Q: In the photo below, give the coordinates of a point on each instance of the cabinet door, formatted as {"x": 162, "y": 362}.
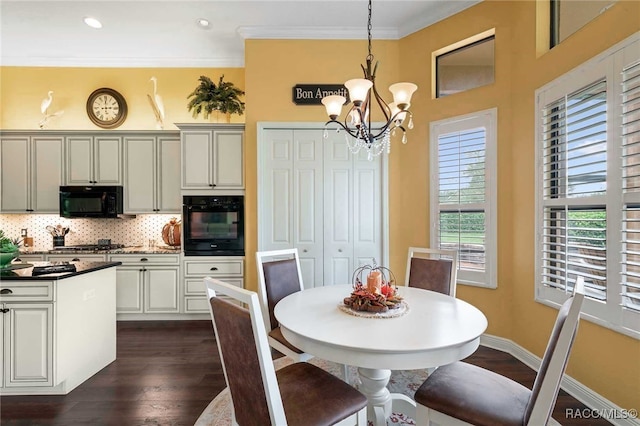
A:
{"x": 196, "y": 158}
{"x": 228, "y": 164}
{"x": 107, "y": 160}
{"x": 47, "y": 170}
{"x": 79, "y": 160}
{"x": 139, "y": 174}
{"x": 161, "y": 290}
{"x": 129, "y": 289}
{"x": 169, "y": 199}
{"x": 14, "y": 157}
{"x": 28, "y": 351}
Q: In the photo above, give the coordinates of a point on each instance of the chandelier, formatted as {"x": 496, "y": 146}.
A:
{"x": 357, "y": 123}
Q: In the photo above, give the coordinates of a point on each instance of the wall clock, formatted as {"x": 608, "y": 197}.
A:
{"x": 106, "y": 108}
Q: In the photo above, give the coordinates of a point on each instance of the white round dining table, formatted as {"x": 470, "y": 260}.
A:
{"x": 436, "y": 329}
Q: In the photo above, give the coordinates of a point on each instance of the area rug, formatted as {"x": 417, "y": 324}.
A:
{"x": 218, "y": 412}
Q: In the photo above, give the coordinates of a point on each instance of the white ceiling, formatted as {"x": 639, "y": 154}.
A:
{"x": 147, "y": 33}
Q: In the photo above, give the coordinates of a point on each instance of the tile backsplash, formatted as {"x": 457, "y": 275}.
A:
{"x": 134, "y": 231}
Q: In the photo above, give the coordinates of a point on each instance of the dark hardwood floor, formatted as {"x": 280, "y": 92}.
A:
{"x": 167, "y": 372}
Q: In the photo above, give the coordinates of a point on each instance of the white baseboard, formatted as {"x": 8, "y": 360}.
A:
{"x": 574, "y": 388}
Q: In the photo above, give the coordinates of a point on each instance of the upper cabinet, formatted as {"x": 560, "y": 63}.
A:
{"x": 31, "y": 173}
{"x": 152, "y": 174}
{"x": 94, "y": 160}
{"x": 212, "y": 156}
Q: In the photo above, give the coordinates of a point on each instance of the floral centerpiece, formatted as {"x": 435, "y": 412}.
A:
{"x": 380, "y": 294}
{"x": 8, "y": 250}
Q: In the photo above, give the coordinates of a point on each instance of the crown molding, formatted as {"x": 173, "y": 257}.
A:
{"x": 316, "y": 33}
{"x": 124, "y": 62}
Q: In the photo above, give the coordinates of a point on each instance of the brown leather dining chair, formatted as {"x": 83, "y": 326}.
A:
{"x": 298, "y": 394}
{"x": 279, "y": 275}
{"x": 432, "y": 269}
{"x": 463, "y": 394}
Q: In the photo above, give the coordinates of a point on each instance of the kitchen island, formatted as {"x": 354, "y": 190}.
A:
{"x": 57, "y": 328}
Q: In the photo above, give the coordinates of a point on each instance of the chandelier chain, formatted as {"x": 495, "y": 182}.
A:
{"x": 369, "y": 32}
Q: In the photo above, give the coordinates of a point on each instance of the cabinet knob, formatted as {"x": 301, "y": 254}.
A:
{"x": 213, "y": 268}
{"x": 144, "y": 259}
{"x": 4, "y": 311}
{"x": 75, "y": 259}
{"x": 339, "y": 250}
{"x": 305, "y": 250}
{"x": 212, "y": 185}
{"x": 6, "y": 291}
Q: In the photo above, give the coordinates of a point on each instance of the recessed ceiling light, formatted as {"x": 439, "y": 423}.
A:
{"x": 92, "y": 22}
{"x": 203, "y": 23}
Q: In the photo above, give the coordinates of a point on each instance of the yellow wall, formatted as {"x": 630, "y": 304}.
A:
{"x": 511, "y": 310}
{"x": 272, "y": 67}
{"x": 23, "y": 89}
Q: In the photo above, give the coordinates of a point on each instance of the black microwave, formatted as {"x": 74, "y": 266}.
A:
{"x": 91, "y": 201}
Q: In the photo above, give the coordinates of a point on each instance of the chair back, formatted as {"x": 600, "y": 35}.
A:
{"x": 554, "y": 362}
{"x": 245, "y": 355}
{"x": 279, "y": 275}
{"x": 432, "y": 269}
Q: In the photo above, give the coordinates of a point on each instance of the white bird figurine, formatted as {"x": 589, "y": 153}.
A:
{"x": 44, "y": 109}
{"x": 46, "y": 102}
{"x": 156, "y": 104}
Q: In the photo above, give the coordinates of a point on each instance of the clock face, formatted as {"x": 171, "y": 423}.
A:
{"x": 106, "y": 108}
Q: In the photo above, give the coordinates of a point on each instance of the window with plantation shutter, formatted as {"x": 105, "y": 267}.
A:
{"x": 463, "y": 152}
{"x": 631, "y": 186}
{"x": 574, "y": 181}
{"x": 588, "y": 137}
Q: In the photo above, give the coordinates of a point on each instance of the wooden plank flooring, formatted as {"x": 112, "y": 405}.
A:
{"x": 167, "y": 372}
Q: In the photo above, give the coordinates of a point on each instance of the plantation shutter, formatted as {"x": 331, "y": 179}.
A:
{"x": 631, "y": 186}
{"x": 574, "y": 137}
{"x": 461, "y": 199}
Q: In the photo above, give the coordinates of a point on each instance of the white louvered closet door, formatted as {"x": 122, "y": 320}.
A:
{"x": 311, "y": 190}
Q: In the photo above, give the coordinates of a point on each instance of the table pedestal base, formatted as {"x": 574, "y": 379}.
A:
{"x": 381, "y": 401}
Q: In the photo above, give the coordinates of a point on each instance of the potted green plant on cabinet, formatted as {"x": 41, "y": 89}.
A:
{"x": 208, "y": 97}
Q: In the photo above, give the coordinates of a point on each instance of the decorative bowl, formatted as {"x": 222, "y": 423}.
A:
{"x": 6, "y": 258}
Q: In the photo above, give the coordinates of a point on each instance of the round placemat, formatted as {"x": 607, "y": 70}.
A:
{"x": 391, "y": 313}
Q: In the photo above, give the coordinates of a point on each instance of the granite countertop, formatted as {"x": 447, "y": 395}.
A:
{"x": 125, "y": 250}
{"x": 22, "y": 272}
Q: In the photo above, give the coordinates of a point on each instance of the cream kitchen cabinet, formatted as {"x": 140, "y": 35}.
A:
{"x": 31, "y": 173}
{"x": 27, "y": 361}
{"x": 94, "y": 159}
{"x": 28, "y": 258}
{"x": 147, "y": 284}
{"x": 55, "y": 334}
{"x": 76, "y": 257}
{"x": 228, "y": 269}
{"x": 212, "y": 156}
{"x": 152, "y": 174}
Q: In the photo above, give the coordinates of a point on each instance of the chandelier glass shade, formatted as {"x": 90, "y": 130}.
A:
{"x": 363, "y": 94}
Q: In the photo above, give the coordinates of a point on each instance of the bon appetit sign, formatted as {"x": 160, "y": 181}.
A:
{"x": 312, "y": 94}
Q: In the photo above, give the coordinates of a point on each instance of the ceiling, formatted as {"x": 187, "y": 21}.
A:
{"x": 147, "y": 33}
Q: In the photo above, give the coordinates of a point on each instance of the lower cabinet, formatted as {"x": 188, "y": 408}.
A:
{"x": 228, "y": 269}
{"x": 147, "y": 283}
{"x": 27, "y": 345}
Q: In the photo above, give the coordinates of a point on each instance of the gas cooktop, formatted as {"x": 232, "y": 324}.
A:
{"x": 91, "y": 247}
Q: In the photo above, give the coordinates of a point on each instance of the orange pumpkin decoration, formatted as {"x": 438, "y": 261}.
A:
{"x": 171, "y": 232}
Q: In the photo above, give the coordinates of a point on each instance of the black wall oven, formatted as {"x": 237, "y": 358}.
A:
{"x": 213, "y": 225}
